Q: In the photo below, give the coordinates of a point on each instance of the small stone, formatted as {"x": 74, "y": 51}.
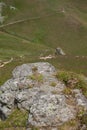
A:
{"x": 59, "y": 51}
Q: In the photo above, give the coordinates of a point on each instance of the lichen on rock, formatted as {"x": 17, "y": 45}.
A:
{"x": 46, "y": 104}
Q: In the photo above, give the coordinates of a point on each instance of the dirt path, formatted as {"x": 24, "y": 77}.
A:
{"x": 2, "y": 29}
{"x": 28, "y": 19}
{"x": 15, "y": 35}
{"x": 67, "y": 56}
{"x": 29, "y": 40}
{"x": 6, "y": 62}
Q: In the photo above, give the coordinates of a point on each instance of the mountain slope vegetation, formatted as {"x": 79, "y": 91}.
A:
{"x": 36, "y": 28}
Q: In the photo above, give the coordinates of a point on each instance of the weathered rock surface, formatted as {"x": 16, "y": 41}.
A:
{"x": 80, "y": 99}
{"x": 41, "y": 95}
{"x": 50, "y": 110}
{"x": 59, "y": 51}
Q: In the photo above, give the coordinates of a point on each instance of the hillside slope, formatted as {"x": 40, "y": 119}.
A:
{"x": 35, "y": 28}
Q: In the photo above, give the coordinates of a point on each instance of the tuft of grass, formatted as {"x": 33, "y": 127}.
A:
{"x": 53, "y": 84}
{"x": 82, "y": 116}
{"x": 34, "y": 69}
{"x": 65, "y": 76}
{"x": 37, "y": 77}
{"x": 16, "y": 119}
{"x": 83, "y": 119}
{"x": 81, "y": 112}
{"x": 71, "y": 125}
{"x": 73, "y": 80}
{"x": 33, "y": 128}
{"x": 67, "y": 91}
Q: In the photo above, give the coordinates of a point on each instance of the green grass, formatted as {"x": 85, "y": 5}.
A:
{"x": 37, "y": 77}
{"x": 41, "y": 36}
{"x": 10, "y": 46}
{"x": 73, "y": 81}
{"x": 16, "y": 119}
{"x": 66, "y": 30}
{"x": 52, "y": 28}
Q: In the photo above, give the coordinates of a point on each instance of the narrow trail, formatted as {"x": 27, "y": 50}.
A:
{"x": 19, "y": 21}
{"x": 28, "y": 19}
{"x": 66, "y": 56}
{"x": 15, "y": 35}
{"x": 5, "y": 63}
{"x": 50, "y": 56}
{"x": 2, "y": 29}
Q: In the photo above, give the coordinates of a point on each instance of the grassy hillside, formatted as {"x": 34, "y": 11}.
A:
{"x": 37, "y": 27}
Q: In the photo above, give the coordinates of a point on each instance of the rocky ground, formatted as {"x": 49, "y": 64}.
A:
{"x": 35, "y": 88}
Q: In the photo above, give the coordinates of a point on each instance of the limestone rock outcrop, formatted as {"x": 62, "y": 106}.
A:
{"x": 35, "y": 88}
